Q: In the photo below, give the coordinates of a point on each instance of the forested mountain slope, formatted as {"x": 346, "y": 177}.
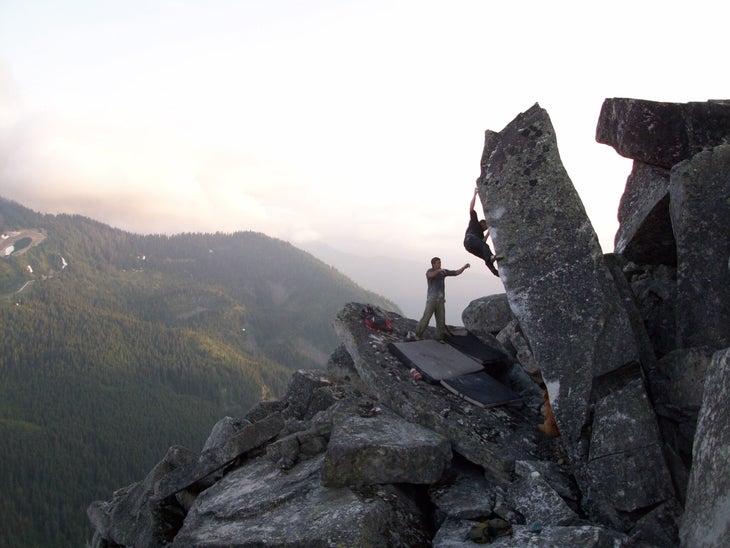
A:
{"x": 108, "y": 338}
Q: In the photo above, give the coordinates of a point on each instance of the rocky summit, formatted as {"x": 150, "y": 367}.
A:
{"x": 620, "y": 363}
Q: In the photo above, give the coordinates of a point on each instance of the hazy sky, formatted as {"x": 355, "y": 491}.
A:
{"x": 357, "y": 123}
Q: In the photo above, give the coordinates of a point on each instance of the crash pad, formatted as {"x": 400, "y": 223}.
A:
{"x": 435, "y": 360}
{"x": 492, "y": 358}
{"x": 481, "y": 389}
{"x": 455, "y": 371}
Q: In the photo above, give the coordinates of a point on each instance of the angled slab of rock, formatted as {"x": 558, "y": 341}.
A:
{"x": 659, "y": 133}
{"x": 625, "y": 459}
{"x": 645, "y": 233}
{"x": 700, "y": 212}
{"x": 551, "y": 473}
{"x": 383, "y": 449}
{"x": 135, "y": 516}
{"x": 706, "y": 519}
{"x": 214, "y": 458}
{"x": 538, "y": 502}
{"x": 223, "y": 430}
{"x": 261, "y": 505}
{"x": 555, "y": 277}
{"x": 557, "y": 282}
{"x": 646, "y": 351}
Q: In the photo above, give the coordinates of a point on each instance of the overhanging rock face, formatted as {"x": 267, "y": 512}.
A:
{"x": 662, "y": 134}
{"x": 658, "y": 136}
{"x": 561, "y": 292}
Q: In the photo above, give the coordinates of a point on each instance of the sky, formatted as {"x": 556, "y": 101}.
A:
{"x": 355, "y": 124}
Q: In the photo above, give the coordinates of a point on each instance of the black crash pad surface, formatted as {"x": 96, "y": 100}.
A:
{"x": 472, "y": 346}
{"x": 435, "y": 360}
{"x": 460, "y": 374}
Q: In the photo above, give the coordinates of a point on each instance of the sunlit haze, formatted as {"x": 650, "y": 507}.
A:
{"x": 355, "y": 124}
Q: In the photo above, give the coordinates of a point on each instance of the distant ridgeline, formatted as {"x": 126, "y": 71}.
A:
{"x": 109, "y": 338}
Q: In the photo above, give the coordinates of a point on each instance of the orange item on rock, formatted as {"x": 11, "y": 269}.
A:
{"x": 550, "y": 427}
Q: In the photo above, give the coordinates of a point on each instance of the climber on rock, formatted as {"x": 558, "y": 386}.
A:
{"x": 475, "y": 238}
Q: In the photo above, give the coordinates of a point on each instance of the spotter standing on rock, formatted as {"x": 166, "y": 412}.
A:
{"x": 436, "y": 297}
{"x": 475, "y": 239}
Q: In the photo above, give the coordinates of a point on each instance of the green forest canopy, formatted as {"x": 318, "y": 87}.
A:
{"x": 116, "y": 346}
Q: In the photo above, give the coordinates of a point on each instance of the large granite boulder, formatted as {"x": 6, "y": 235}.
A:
{"x": 489, "y": 314}
{"x": 564, "y": 297}
{"x": 383, "y": 448}
{"x": 259, "y": 505}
